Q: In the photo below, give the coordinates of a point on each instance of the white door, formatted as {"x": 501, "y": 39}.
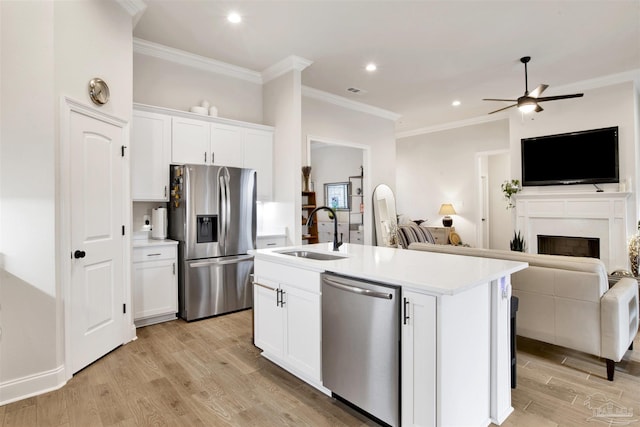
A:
{"x": 268, "y": 315}
{"x": 190, "y": 141}
{"x": 302, "y": 323}
{"x": 226, "y": 145}
{"x": 97, "y": 245}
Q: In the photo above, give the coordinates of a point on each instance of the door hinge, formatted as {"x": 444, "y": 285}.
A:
{"x": 122, "y": 149}
{"x": 123, "y": 230}
{"x": 124, "y": 308}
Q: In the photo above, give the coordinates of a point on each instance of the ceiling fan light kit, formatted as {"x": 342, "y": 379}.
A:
{"x": 530, "y": 101}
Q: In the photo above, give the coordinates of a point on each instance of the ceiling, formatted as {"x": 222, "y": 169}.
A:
{"x": 429, "y": 53}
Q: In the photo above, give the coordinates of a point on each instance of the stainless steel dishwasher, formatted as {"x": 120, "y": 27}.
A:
{"x": 361, "y": 345}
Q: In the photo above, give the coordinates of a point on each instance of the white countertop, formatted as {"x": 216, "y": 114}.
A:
{"x": 143, "y": 243}
{"x": 436, "y": 273}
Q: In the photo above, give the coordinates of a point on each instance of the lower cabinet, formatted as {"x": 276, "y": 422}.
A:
{"x": 287, "y": 318}
{"x": 418, "y": 359}
{"x": 155, "y": 284}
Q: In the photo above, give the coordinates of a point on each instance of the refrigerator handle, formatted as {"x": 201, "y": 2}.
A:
{"x": 223, "y": 211}
{"x": 227, "y": 214}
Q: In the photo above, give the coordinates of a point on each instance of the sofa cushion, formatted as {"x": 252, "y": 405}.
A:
{"x": 413, "y": 233}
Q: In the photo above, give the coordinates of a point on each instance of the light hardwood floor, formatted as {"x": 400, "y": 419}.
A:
{"x": 207, "y": 373}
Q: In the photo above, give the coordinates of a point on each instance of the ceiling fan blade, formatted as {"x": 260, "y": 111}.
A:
{"x": 494, "y": 99}
{"x": 538, "y": 108}
{"x": 538, "y": 91}
{"x": 555, "y": 98}
{"x": 510, "y": 106}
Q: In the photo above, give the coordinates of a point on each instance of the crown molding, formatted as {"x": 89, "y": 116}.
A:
{"x": 603, "y": 81}
{"x": 453, "y": 125}
{"x": 290, "y": 63}
{"x": 133, "y": 7}
{"x": 347, "y": 103}
{"x": 181, "y": 57}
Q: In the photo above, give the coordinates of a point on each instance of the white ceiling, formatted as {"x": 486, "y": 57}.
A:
{"x": 428, "y": 52}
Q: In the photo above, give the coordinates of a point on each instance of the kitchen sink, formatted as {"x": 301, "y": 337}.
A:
{"x": 312, "y": 255}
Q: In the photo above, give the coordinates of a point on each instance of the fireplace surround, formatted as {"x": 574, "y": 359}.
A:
{"x": 603, "y": 216}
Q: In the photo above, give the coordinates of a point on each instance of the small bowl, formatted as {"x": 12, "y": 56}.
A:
{"x": 199, "y": 110}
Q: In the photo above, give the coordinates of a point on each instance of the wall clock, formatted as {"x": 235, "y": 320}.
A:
{"x": 98, "y": 91}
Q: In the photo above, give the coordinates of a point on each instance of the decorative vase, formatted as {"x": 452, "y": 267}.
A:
{"x": 306, "y": 174}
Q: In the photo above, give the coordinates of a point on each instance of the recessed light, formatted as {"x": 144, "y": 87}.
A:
{"x": 456, "y": 103}
{"x": 234, "y": 17}
{"x": 371, "y": 67}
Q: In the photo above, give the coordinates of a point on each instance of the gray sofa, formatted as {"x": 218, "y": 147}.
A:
{"x": 567, "y": 301}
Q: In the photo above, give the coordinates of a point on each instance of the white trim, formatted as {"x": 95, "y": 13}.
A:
{"x": 67, "y": 106}
{"x": 347, "y": 103}
{"x": 144, "y": 47}
{"x": 32, "y": 385}
{"x": 133, "y": 7}
{"x": 453, "y": 125}
{"x": 291, "y": 63}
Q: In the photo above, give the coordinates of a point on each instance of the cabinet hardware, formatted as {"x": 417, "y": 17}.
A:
{"x": 124, "y": 308}
{"x": 282, "y": 301}
{"x": 205, "y": 157}
{"x": 271, "y": 244}
{"x": 264, "y": 286}
{"x": 278, "y": 297}
{"x": 123, "y": 230}
{"x": 122, "y": 150}
{"x": 174, "y": 268}
{"x": 406, "y": 311}
{"x": 165, "y": 191}
{"x": 158, "y": 254}
{"x": 79, "y": 254}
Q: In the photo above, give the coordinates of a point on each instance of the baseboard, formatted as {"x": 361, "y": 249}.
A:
{"x": 32, "y": 385}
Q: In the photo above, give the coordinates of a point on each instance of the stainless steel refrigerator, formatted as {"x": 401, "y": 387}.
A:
{"x": 212, "y": 214}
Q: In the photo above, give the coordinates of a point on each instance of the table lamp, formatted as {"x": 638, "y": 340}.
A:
{"x": 446, "y": 209}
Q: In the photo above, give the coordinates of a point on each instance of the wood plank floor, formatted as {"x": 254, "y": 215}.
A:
{"x": 207, "y": 373}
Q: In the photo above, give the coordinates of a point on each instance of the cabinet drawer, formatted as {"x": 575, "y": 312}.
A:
{"x": 270, "y": 273}
{"x": 356, "y": 236}
{"x": 153, "y": 253}
{"x": 270, "y": 242}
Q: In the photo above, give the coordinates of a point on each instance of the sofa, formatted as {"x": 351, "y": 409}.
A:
{"x": 566, "y": 301}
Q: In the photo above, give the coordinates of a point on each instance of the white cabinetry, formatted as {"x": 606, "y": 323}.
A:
{"x": 155, "y": 283}
{"x": 418, "y": 360}
{"x": 326, "y": 230}
{"x": 150, "y": 153}
{"x": 190, "y": 141}
{"x": 264, "y": 242}
{"x": 223, "y": 144}
{"x": 287, "y": 318}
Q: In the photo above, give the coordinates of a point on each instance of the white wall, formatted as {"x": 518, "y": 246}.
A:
{"x": 441, "y": 167}
{"x": 282, "y": 109}
{"x": 167, "y": 84}
{"x": 331, "y": 122}
{"x": 49, "y": 49}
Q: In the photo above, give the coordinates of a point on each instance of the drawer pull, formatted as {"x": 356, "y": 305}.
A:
{"x": 154, "y": 254}
{"x": 271, "y": 244}
{"x": 265, "y": 286}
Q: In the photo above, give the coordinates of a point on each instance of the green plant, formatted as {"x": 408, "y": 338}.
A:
{"x": 517, "y": 243}
{"x": 509, "y": 188}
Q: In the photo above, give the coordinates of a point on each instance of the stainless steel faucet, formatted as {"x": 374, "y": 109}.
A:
{"x": 332, "y": 214}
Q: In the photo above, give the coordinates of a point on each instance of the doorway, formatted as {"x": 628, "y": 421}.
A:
{"x": 494, "y": 167}
{"x": 334, "y": 161}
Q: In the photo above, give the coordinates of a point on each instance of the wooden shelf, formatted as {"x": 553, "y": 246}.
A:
{"x": 310, "y": 234}
{"x": 308, "y": 206}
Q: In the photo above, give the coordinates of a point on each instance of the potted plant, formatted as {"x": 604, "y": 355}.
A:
{"x": 517, "y": 243}
{"x": 509, "y": 188}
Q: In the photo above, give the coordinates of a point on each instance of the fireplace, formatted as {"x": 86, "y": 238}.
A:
{"x": 569, "y": 246}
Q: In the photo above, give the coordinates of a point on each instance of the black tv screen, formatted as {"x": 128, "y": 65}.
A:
{"x": 585, "y": 157}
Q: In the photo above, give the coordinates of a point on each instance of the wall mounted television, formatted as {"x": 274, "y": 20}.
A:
{"x": 584, "y": 157}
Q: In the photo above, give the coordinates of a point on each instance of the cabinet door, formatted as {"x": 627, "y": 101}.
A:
{"x": 302, "y": 325}
{"x": 419, "y": 360}
{"x": 267, "y": 318}
{"x": 150, "y": 152}
{"x": 258, "y": 155}
{"x": 155, "y": 289}
{"x": 226, "y": 145}
{"x": 190, "y": 141}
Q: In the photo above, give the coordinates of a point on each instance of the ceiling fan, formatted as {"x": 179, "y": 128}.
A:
{"x": 530, "y": 100}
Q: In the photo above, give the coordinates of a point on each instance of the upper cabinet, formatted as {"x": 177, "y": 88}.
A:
{"x": 190, "y": 138}
{"x": 150, "y": 152}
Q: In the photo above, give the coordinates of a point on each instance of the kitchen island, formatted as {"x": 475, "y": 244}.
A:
{"x": 455, "y": 329}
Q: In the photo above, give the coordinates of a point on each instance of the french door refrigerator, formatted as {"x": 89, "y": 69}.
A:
{"x": 212, "y": 214}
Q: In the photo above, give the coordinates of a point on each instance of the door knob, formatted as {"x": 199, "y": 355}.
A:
{"x": 79, "y": 254}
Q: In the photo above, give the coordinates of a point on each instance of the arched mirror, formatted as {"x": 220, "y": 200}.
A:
{"x": 385, "y": 219}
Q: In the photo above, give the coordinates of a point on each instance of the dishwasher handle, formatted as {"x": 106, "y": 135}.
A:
{"x": 357, "y": 290}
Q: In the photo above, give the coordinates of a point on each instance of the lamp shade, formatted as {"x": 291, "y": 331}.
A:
{"x": 446, "y": 209}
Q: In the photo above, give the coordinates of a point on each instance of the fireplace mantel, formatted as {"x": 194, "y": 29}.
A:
{"x": 579, "y": 214}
